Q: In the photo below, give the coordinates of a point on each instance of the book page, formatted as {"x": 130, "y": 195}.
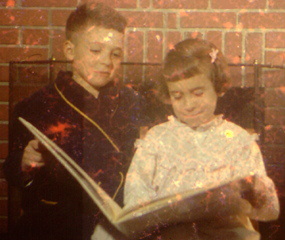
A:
{"x": 190, "y": 205}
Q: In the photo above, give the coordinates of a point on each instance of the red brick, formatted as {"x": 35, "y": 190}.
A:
{"x": 121, "y": 3}
{"x": 4, "y": 131}
{"x": 275, "y": 39}
{"x": 3, "y": 149}
{"x": 49, "y": 3}
{"x": 181, "y": 4}
{"x": 58, "y": 38}
{"x": 20, "y": 54}
{"x": 275, "y": 135}
{"x": 193, "y": 34}
{"x": 275, "y": 97}
{"x": 59, "y": 17}
{"x": 9, "y": 36}
{"x": 236, "y": 76}
{"x": 238, "y": 4}
{"x": 172, "y": 20}
{"x": 154, "y": 43}
{"x": 275, "y": 116}
{"x": 3, "y": 225}
{"x": 273, "y": 78}
{"x": 263, "y": 20}
{"x": 233, "y": 47}
{"x": 207, "y": 20}
{"x": 3, "y": 112}
{"x": 275, "y": 57}
{"x": 171, "y": 39}
{"x": 253, "y": 47}
{"x": 3, "y": 207}
{"x": 249, "y": 77}
{"x": 144, "y": 3}
{"x": 215, "y": 37}
{"x": 9, "y": 3}
{"x": 276, "y": 4}
{"x": 35, "y": 36}
{"x": 134, "y": 46}
{"x": 4, "y": 76}
{"x": 3, "y": 187}
{"x": 4, "y": 93}
{"x": 117, "y": 3}
{"x": 144, "y": 19}
{"x": 24, "y": 17}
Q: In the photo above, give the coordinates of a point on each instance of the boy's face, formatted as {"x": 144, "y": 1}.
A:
{"x": 96, "y": 53}
{"x": 193, "y": 100}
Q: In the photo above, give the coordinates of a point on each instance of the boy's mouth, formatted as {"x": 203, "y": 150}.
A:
{"x": 103, "y": 73}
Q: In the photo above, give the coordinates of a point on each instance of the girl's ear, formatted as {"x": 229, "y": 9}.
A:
{"x": 167, "y": 101}
{"x": 68, "y": 50}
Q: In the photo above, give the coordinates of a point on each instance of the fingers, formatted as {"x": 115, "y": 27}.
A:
{"x": 32, "y": 156}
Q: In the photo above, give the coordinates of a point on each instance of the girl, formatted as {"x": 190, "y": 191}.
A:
{"x": 196, "y": 148}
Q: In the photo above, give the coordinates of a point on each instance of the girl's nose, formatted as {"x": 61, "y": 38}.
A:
{"x": 189, "y": 104}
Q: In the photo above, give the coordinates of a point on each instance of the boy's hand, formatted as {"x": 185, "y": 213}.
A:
{"x": 32, "y": 158}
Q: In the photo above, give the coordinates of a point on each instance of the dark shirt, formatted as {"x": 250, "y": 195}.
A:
{"x": 54, "y": 205}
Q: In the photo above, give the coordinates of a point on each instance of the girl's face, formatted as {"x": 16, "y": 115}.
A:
{"x": 193, "y": 100}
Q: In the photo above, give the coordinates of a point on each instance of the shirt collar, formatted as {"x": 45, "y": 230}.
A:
{"x": 202, "y": 128}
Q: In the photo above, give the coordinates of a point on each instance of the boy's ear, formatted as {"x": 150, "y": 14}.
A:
{"x": 221, "y": 94}
{"x": 68, "y": 50}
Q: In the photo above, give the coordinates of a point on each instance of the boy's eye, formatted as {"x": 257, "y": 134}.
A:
{"x": 117, "y": 54}
{"x": 95, "y": 50}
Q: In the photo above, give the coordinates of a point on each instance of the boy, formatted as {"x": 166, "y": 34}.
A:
{"x": 90, "y": 116}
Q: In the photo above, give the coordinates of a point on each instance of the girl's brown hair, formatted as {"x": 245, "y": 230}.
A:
{"x": 193, "y": 57}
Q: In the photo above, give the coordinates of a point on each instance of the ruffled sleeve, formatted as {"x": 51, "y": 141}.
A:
{"x": 138, "y": 187}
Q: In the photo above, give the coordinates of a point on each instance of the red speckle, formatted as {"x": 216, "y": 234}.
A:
{"x": 61, "y": 129}
{"x": 10, "y": 3}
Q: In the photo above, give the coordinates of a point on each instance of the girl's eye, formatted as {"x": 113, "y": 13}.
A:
{"x": 199, "y": 93}
{"x": 176, "y": 96}
{"x": 95, "y": 50}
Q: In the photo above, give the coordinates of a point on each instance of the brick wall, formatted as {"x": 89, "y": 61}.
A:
{"x": 245, "y": 30}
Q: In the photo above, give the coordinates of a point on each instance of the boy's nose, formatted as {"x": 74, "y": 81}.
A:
{"x": 106, "y": 59}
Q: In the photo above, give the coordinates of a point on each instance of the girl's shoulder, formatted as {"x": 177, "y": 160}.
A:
{"x": 234, "y": 131}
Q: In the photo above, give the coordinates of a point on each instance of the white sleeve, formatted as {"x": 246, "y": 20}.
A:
{"x": 138, "y": 187}
{"x": 267, "y": 207}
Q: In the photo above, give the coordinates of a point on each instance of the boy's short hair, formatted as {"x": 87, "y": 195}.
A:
{"x": 193, "y": 57}
{"x": 94, "y": 14}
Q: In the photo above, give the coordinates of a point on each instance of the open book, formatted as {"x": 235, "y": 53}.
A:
{"x": 188, "y": 206}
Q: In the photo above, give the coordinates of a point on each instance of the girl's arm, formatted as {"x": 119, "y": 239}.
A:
{"x": 263, "y": 196}
{"x": 138, "y": 186}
